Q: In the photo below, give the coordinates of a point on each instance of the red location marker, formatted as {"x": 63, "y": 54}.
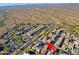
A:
{"x": 51, "y": 47}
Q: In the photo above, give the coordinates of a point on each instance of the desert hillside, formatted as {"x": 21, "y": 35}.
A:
{"x": 44, "y": 15}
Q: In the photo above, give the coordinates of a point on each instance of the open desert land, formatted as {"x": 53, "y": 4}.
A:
{"x": 44, "y": 15}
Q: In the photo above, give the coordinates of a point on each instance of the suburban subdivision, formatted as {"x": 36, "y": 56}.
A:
{"x": 39, "y": 30}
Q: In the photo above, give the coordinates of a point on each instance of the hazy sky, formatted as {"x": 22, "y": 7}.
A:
{"x": 11, "y": 4}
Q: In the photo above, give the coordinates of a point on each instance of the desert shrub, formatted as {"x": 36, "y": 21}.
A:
{"x": 2, "y": 23}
